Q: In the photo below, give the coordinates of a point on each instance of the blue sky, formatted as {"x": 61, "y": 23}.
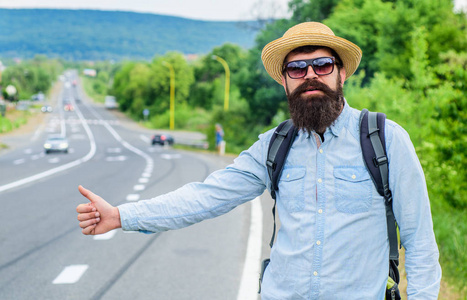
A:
{"x": 223, "y": 10}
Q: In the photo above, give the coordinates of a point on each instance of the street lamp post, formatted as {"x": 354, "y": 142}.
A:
{"x": 227, "y": 80}
{"x": 172, "y": 94}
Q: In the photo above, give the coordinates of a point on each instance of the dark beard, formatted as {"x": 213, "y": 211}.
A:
{"x": 315, "y": 112}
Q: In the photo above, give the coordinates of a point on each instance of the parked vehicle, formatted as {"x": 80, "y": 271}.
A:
{"x": 56, "y": 143}
{"x": 162, "y": 139}
{"x": 110, "y": 102}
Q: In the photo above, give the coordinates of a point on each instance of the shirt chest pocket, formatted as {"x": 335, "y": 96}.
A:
{"x": 291, "y": 188}
{"x": 353, "y": 188}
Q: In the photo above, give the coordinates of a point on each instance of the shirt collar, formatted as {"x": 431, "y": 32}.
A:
{"x": 341, "y": 121}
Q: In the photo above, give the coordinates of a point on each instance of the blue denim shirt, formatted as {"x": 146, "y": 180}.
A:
{"x": 332, "y": 243}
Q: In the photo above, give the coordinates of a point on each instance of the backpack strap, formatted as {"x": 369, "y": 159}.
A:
{"x": 374, "y": 155}
{"x": 279, "y": 146}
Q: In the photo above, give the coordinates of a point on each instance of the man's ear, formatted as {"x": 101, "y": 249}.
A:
{"x": 342, "y": 75}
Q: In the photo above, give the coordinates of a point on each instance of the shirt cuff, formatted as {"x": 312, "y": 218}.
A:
{"x": 127, "y": 219}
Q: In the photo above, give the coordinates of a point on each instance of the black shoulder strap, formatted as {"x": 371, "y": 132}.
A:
{"x": 374, "y": 155}
{"x": 279, "y": 146}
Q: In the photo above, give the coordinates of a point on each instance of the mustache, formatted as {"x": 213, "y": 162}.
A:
{"x": 312, "y": 84}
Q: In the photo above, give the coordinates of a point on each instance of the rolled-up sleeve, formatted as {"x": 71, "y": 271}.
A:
{"x": 412, "y": 211}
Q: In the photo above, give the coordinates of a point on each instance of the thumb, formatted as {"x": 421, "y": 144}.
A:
{"x": 88, "y": 194}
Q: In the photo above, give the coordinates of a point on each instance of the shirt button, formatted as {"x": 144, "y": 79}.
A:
{"x": 320, "y": 150}
{"x": 288, "y": 175}
{"x": 320, "y": 180}
{"x": 353, "y": 176}
{"x": 320, "y": 211}
{"x": 318, "y": 243}
{"x": 315, "y": 273}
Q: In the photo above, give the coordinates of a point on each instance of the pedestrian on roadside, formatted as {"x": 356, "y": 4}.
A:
{"x": 219, "y": 137}
{"x": 333, "y": 241}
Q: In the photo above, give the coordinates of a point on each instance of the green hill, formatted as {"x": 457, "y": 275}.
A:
{"x": 99, "y": 35}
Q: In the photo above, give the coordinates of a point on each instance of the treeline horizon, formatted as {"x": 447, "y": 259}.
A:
{"x": 78, "y": 35}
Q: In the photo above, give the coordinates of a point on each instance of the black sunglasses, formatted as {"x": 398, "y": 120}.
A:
{"x": 321, "y": 66}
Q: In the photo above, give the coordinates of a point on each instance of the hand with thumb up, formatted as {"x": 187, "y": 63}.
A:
{"x": 97, "y": 216}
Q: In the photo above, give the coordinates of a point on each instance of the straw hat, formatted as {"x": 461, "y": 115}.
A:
{"x": 309, "y": 34}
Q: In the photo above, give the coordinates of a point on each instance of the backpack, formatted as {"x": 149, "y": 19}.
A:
{"x": 373, "y": 146}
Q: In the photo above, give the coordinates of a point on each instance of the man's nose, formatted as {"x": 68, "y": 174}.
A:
{"x": 310, "y": 74}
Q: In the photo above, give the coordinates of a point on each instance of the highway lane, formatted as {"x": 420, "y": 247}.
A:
{"x": 45, "y": 256}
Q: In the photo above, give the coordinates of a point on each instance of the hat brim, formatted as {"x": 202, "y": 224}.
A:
{"x": 275, "y": 52}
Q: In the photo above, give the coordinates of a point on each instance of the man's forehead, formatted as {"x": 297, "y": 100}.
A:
{"x": 294, "y": 54}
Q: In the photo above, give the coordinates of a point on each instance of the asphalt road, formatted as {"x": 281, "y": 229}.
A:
{"x": 43, "y": 254}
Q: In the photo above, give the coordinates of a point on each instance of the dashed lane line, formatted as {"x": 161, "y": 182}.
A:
{"x": 71, "y": 274}
{"x": 139, "y": 187}
{"x": 132, "y": 197}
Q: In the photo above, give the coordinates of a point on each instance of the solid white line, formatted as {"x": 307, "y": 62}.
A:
{"x": 105, "y": 236}
{"x": 251, "y": 269}
{"x": 37, "y": 132}
{"x": 70, "y": 274}
{"x": 144, "y": 138}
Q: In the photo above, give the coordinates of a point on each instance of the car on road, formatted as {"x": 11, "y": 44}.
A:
{"x": 68, "y": 107}
{"x": 56, "y": 143}
{"x": 162, "y": 139}
{"x": 46, "y": 108}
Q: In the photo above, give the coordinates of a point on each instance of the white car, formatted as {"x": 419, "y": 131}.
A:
{"x": 56, "y": 143}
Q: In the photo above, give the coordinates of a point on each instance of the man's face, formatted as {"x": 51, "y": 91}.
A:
{"x": 315, "y": 101}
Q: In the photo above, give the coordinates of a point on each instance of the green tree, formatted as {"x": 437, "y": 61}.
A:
{"x": 309, "y": 10}
{"x": 265, "y": 96}
{"x": 383, "y": 30}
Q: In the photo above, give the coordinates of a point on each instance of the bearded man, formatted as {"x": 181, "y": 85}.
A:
{"x": 333, "y": 241}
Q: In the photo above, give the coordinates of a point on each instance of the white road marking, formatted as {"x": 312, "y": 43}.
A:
{"x": 70, "y": 274}
{"x": 251, "y": 269}
{"x": 27, "y": 151}
{"x": 37, "y": 132}
{"x": 144, "y": 138}
{"x": 77, "y": 137}
{"x": 114, "y": 150}
{"x": 132, "y": 197}
{"x": 116, "y": 158}
{"x": 170, "y": 156}
{"x": 139, "y": 187}
{"x": 147, "y": 175}
{"x": 143, "y": 180}
{"x": 37, "y": 156}
{"x": 54, "y": 160}
{"x": 19, "y": 161}
{"x": 105, "y": 236}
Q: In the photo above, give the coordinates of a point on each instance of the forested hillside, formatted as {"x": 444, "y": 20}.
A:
{"x": 99, "y": 35}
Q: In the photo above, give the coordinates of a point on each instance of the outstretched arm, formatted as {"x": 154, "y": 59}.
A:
{"x": 98, "y": 216}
